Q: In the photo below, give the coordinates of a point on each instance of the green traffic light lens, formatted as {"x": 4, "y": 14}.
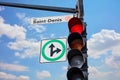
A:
{"x": 77, "y": 61}
{"x": 75, "y": 58}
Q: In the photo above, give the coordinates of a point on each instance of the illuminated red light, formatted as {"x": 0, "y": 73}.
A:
{"x": 75, "y": 25}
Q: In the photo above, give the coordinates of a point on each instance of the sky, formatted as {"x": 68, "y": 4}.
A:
{"x": 20, "y": 41}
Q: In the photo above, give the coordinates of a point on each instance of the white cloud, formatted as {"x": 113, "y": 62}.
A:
{"x": 20, "y": 15}
{"x": 12, "y": 31}
{"x": 26, "y": 20}
{"x": 23, "y": 17}
{"x": 105, "y": 42}
{"x": 29, "y": 48}
{"x": 2, "y": 8}
{"x": 96, "y": 74}
{"x": 102, "y": 42}
{"x": 13, "y": 67}
{"x": 52, "y": 35}
{"x": 44, "y": 36}
{"x": 43, "y": 74}
{"x": 16, "y": 62}
{"x": 6, "y": 76}
{"x": 65, "y": 67}
{"x": 21, "y": 77}
{"x": 113, "y": 61}
{"x": 38, "y": 28}
{"x": 24, "y": 48}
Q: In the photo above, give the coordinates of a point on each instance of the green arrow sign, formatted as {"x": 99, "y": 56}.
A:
{"x": 53, "y": 50}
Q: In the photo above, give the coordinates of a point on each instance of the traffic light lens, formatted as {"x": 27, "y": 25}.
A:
{"x": 77, "y": 28}
{"x": 75, "y": 58}
{"x": 75, "y": 41}
{"x": 76, "y": 77}
{"x": 77, "y": 44}
{"x": 77, "y": 61}
{"x": 75, "y": 25}
{"x": 75, "y": 74}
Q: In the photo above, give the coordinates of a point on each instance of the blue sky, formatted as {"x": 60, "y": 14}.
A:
{"x": 20, "y": 41}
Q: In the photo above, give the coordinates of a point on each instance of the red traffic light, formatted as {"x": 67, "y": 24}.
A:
{"x": 77, "y": 55}
{"x": 75, "y": 25}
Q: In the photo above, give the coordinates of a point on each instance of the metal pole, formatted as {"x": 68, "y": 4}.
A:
{"x": 40, "y": 7}
{"x": 80, "y": 9}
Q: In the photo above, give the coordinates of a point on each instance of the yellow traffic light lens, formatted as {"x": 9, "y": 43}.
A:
{"x": 76, "y": 41}
{"x": 77, "y": 44}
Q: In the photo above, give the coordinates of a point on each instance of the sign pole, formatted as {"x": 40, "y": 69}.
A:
{"x": 39, "y": 7}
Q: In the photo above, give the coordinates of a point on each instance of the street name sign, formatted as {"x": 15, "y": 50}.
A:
{"x": 49, "y": 20}
{"x": 53, "y": 50}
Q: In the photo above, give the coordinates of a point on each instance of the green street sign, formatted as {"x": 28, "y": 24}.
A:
{"x": 53, "y": 50}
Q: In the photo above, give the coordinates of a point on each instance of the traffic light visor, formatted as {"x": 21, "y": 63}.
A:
{"x": 75, "y": 25}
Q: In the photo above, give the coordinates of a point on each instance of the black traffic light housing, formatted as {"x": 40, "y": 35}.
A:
{"x": 77, "y": 55}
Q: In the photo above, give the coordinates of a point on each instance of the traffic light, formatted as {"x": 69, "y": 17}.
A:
{"x": 77, "y": 55}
